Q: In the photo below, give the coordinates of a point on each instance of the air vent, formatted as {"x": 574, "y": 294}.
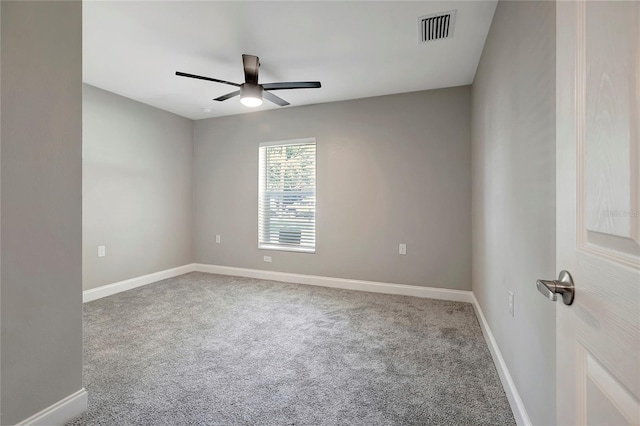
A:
{"x": 437, "y": 26}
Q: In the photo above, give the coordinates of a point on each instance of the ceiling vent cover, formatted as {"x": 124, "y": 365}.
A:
{"x": 437, "y": 26}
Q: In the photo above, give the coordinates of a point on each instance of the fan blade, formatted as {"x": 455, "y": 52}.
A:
{"x": 199, "y": 77}
{"x": 227, "y": 96}
{"x": 273, "y": 98}
{"x": 292, "y": 85}
{"x": 251, "y": 64}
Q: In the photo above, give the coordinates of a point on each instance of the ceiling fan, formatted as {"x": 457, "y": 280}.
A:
{"x": 251, "y": 93}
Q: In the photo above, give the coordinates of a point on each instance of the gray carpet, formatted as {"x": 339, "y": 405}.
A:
{"x": 203, "y": 349}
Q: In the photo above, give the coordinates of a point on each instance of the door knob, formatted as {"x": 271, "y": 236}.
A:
{"x": 563, "y": 286}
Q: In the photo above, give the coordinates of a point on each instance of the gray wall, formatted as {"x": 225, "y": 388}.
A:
{"x": 41, "y": 209}
{"x": 137, "y": 188}
{"x": 390, "y": 169}
{"x": 514, "y": 194}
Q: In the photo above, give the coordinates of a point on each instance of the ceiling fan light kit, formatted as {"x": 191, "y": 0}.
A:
{"x": 251, "y": 92}
{"x": 251, "y": 95}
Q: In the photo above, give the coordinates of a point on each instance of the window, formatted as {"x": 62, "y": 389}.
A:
{"x": 287, "y": 195}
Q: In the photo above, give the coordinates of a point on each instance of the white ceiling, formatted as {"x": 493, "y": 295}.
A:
{"x": 356, "y": 49}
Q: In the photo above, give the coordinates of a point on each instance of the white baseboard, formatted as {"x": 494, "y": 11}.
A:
{"x": 517, "y": 406}
{"x": 60, "y": 412}
{"x": 109, "y": 289}
{"x": 348, "y": 284}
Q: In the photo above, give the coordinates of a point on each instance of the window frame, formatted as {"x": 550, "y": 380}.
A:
{"x": 261, "y": 183}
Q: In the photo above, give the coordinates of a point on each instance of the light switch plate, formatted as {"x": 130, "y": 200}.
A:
{"x": 217, "y": 239}
{"x": 102, "y": 251}
{"x": 267, "y": 259}
{"x": 402, "y": 248}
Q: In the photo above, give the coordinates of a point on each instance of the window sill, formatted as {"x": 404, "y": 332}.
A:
{"x": 276, "y": 247}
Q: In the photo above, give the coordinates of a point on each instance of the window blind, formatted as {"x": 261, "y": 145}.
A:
{"x": 287, "y": 195}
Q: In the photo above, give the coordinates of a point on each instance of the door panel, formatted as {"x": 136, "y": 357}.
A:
{"x": 598, "y": 215}
{"x": 606, "y": 400}
{"x": 611, "y": 123}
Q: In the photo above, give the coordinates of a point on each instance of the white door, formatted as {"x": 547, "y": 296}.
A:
{"x": 598, "y": 211}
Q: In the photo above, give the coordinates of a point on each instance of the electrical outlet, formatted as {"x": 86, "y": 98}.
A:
{"x": 217, "y": 239}
{"x": 402, "y": 248}
{"x": 267, "y": 259}
{"x": 511, "y": 302}
{"x": 102, "y": 251}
